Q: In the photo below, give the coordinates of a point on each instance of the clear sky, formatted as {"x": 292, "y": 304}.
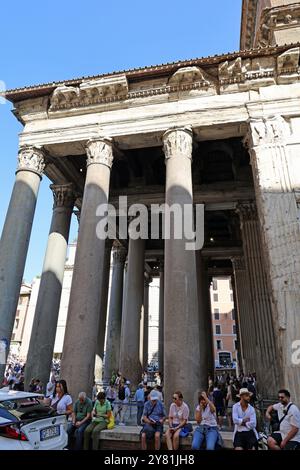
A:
{"x": 56, "y": 40}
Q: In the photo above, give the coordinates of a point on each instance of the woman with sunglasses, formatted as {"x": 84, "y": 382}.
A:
{"x": 178, "y": 418}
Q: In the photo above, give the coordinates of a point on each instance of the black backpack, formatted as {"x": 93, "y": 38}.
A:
{"x": 121, "y": 393}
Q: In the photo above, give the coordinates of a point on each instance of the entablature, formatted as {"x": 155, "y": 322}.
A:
{"x": 180, "y": 81}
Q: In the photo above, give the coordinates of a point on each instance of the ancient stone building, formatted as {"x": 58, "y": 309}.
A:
{"x": 223, "y": 131}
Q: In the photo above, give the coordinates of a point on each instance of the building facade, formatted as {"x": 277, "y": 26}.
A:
{"x": 224, "y": 325}
{"x": 20, "y": 319}
{"x": 221, "y": 132}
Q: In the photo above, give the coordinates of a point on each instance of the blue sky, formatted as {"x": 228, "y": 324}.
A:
{"x": 54, "y": 40}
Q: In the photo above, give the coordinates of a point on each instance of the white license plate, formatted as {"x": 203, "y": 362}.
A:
{"x": 49, "y": 433}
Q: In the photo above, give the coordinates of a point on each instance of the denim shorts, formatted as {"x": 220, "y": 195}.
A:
{"x": 151, "y": 429}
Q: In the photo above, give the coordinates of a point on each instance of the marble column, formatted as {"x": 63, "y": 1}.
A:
{"x": 274, "y": 146}
{"x": 244, "y": 314}
{"x": 161, "y": 319}
{"x": 207, "y": 363}
{"x": 15, "y": 237}
{"x": 40, "y": 352}
{"x": 266, "y": 351}
{"x": 239, "y": 348}
{"x": 113, "y": 337}
{"x": 130, "y": 363}
{"x": 103, "y": 313}
{"x": 145, "y": 324}
{"x": 79, "y": 349}
{"x": 181, "y": 312}
{"x": 124, "y": 286}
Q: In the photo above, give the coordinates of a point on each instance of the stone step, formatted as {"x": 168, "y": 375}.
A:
{"x": 128, "y": 438}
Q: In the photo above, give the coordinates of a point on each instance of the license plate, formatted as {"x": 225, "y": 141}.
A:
{"x": 49, "y": 433}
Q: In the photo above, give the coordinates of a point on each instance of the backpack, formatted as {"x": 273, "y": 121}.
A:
{"x": 111, "y": 419}
{"x": 121, "y": 393}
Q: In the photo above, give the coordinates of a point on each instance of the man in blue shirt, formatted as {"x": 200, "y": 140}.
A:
{"x": 153, "y": 418}
{"x": 139, "y": 397}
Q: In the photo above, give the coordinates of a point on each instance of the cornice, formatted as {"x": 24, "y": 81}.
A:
{"x": 238, "y": 72}
{"x": 238, "y": 75}
{"x": 141, "y": 73}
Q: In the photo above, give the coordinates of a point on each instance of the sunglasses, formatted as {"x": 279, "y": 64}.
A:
{"x": 175, "y": 398}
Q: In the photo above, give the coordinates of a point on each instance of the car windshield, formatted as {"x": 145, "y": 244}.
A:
{"x": 20, "y": 407}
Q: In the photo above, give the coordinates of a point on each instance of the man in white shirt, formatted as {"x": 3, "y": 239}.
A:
{"x": 50, "y": 388}
{"x": 244, "y": 420}
{"x": 288, "y": 435}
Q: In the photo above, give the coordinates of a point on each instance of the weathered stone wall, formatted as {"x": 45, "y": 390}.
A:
{"x": 269, "y": 22}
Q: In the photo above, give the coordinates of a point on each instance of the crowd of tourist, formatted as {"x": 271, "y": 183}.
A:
{"x": 227, "y": 396}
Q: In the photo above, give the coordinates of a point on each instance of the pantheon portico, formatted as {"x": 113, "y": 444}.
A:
{"x": 223, "y": 131}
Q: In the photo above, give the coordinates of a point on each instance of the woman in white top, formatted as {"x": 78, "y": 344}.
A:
{"x": 207, "y": 428}
{"x": 178, "y": 417}
{"x": 62, "y": 402}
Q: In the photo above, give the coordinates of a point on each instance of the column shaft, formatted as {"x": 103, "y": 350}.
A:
{"x": 145, "y": 324}
{"x": 274, "y": 149}
{"x": 205, "y": 319}
{"x": 265, "y": 344}
{"x": 244, "y": 314}
{"x": 161, "y": 322}
{"x": 113, "y": 337}
{"x": 130, "y": 364}
{"x": 43, "y": 332}
{"x": 15, "y": 237}
{"x": 103, "y": 313}
{"x": 239, "y": 348}
{"x": 78, "y": 358}
{"x": 181, "y": 313}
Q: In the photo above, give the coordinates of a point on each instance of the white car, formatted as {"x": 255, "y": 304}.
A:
{"x": 27, "y": 424}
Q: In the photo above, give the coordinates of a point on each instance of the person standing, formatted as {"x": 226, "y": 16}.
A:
{"x": 244, "y": 420}
{"x": 50, "y": 386}
{"x": 230, "y": 399}
{"x": 219, "y": 402}
{"x": 111, "y": 394}
{"x": 139, "y": 398}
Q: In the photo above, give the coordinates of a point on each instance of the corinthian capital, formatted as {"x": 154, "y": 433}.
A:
{"x": 178, "y": 142}
{"x": 64, "y": 195}
{"x": 100, "y": 151}
{"x": 31, "y": 159}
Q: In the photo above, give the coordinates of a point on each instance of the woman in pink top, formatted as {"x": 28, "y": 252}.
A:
{"x": 178, "y": 417}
